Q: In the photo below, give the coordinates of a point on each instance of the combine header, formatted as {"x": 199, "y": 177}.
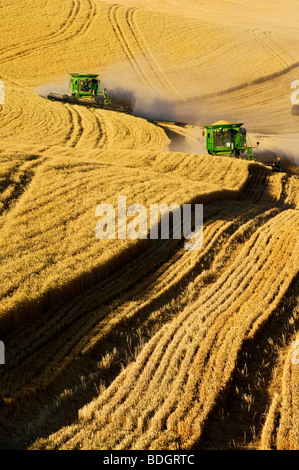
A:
{"x": 86, "y": 90}
{"x": 224, "y": 138}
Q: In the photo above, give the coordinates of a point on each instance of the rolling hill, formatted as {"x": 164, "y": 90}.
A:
{"x": 139, "y": 343}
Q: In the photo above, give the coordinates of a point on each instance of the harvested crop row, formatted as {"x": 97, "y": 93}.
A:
{"x": 142, "y": 60}
{"x": 202, "y": 342}
{"x": 76, "y": 15}
{"x": 15, "y": 174}
{"x": 144, "y": 50}
{"x": 189, "y": 166}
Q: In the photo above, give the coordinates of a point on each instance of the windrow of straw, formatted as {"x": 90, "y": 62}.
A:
{"x": 280, "y": 430}
{"x": 163, "y": 398}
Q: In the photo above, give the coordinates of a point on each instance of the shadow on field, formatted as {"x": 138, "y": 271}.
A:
{"x": 64, "y": 355}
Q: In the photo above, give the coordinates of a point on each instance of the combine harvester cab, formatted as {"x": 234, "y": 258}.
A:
{"x": 225, "y": 138}
{"x": 86, "y": 90}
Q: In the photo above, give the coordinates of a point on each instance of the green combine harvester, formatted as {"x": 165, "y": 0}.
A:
{"x": 225, "y": 138}
{"x": 86, "y": 90}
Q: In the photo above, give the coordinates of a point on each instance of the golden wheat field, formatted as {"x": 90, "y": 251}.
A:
{"x": 138, "y": 343}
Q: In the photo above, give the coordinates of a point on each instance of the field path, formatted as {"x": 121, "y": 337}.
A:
{"x": 137, "y": 51}
{"x": 139, "y": 343}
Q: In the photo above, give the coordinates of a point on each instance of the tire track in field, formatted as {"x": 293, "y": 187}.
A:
{"x": 75, "y": 127}
{"x": 126, "y": 43}
{"x": 113, "y": 11}
{"x": 18, "y": 180}
{"x": 57, "y": 37}
{"x": 68, "y": 23}
{"x": 238, "y": 421}
{"x": 232, "y": 214}
{"x": 101, "y": 138}
{"x": 87, "y": 128}
{"x": 58, "y": 340}
{"x": 242, "y": 86}
{"x": 266, "y": 39}
{"x": 212, "y": 301}
{"x": 215, "y": 231}
{"x": 283, "y": 52}
{"x": 148, "y": 55}
{"x": 163, "y": 369}
{"x": 32, "y": 121}
{"x": 15, "y": 120}
{"x": 179, "y": 362}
